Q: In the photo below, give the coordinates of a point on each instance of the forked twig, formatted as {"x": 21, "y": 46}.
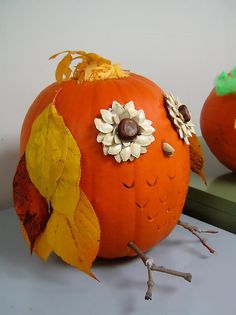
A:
{"x": 148, "y": 262}
{"x": 196, "y": 231}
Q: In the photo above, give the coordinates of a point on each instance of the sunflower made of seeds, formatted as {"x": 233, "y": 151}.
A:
{"x": 124, "y": 131}
{"x": 180, "y": 117}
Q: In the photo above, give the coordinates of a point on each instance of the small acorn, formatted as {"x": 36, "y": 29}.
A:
{"x": 167, "y": 149}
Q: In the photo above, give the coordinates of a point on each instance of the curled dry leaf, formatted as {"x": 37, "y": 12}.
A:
{"x": 196, "y": 157}
{"x": 31, "y": 207}
{"x": 63, "y": 70}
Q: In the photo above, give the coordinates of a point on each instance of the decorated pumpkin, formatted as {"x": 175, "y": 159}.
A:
{"x": 218, "y": 119}
{"x": 104, "y": 161}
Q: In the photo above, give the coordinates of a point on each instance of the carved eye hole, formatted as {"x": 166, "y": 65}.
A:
{"x": 151, "y": 183}
{"x": 128, "y": 186}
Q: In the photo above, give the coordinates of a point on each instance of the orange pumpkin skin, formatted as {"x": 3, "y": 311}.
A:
{"x": 138, "y": 201}
{"x": 218, "y": 128}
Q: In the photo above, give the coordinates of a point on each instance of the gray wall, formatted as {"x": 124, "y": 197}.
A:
{"x": 182, "y": 45}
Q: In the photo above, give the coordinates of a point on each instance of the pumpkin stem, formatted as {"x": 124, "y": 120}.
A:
{"x": 149, "y": 263}
{"x": 196, "y": 231}
{"x": 92, "y": 67}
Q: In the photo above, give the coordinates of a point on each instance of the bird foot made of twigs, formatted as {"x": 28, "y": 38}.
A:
{"x": 196, "y": 232}
{"x": 149, "y": 263}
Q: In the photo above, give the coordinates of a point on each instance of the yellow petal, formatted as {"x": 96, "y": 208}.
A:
{"x": 77, "y": 244}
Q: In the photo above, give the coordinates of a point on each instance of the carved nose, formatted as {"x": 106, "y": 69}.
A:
{"x": 142, "y": 204}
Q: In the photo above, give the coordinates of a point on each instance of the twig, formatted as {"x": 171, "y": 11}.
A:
{"x": 196, "y": 231}
{"x": 150, "y": 284}
{"x": 185, "y": 275}
{"x": 148, "y": 262}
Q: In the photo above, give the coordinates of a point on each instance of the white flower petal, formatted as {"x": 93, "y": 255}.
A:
{"x": 151, "y": 138}
{"x": 189, "y": 133}
{"x": 126, "y": 143}
{"x": 116, "y": 118}
{"x": 114, "y": 149}
{"x": 100, "y": 137}
{"x": 130, "y": 108}
{"x": 181, "y": 134}
{"x": 124, "y": 115}
{"x": 147, "y": 131}
{"x": 117, "y": 139}
{"x": 105, "y": 150}
{"x": 108, "y": 139}
{"x": 107, "y": 116}
{"x": 146, "y": 123}
{"x": 118, "y": 158}
{"x": 186, "y": 140}
{"x": 140, "y": 117}
{"x": 143, "y": 140}
{"x": 135, "y": 149}
{"x": 143, "y": 150}
{"x": 131, "y": 158}
{"x": 184, "y": 128}
{"x": 102, "y": 126}
{"x": 129, "y": 105}
{"x": 117, "y": 107}
{"x": 125, "y": 153}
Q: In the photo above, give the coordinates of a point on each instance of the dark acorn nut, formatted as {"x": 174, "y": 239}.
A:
{"x": 128, "y": 129}
{"x": 183, "y": 109}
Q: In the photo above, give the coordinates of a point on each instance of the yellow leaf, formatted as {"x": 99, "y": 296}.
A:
{"x": 46, "y": 151}
{"x": 41, "y": 246}
{"x": 77, "y": 244}
{"x": 53, "y": 164}
{"x": 67, "y": 194}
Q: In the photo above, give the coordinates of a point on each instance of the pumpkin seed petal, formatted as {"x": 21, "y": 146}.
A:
{"x": 102, "y": 126}
{"x": 107, "y": 116}
{"x": 135, "y": 149}
{"x": 125, "y": 153}
{"x": 108, "y": 139}
{"x": 114, "y": 149}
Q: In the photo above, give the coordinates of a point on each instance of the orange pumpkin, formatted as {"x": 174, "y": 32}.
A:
{"x": 139, "y": 201}
{"x": 218, "y": 123}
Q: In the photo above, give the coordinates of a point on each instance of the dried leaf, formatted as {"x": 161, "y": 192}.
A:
{"x": 41, "y": 246}
{"x": 196, "y": 157}
{"x": 31, "y": 207}
{"x": 53, "y": 162}
{"x": 77, "y": 244}
{"x": 63, "y": 70}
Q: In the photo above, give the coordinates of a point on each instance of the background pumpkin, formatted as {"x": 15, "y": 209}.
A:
{"x": 218, "y": 120}
{"x": 138, "y": 201}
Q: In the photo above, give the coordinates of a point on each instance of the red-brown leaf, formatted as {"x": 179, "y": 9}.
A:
{"x": 31, "y": 207}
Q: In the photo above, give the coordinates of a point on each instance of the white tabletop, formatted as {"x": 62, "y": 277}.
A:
{"x": 29, "y": 286}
